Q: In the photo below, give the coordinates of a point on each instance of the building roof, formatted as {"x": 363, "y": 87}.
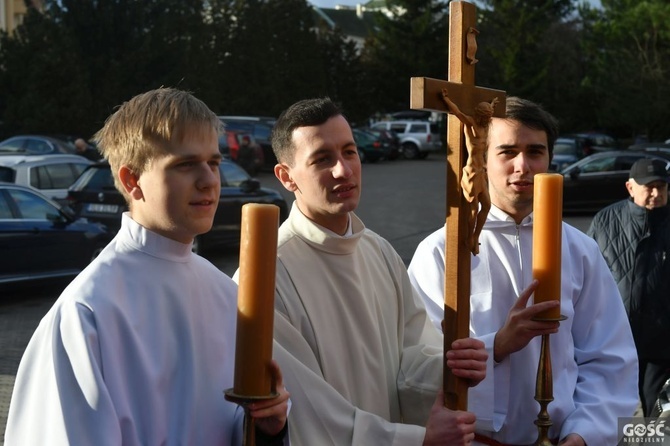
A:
{"x": 355, "y": 22}
{"x": 350, "y": 22}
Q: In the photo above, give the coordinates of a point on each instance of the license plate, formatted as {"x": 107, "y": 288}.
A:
{"x": 103, "y": 208}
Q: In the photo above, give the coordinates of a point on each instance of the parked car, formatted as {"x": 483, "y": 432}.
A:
{"x": 241, "y": 147}
{"x": 94, "y": 197}
{"x": 41, "y": 240}
{"x": 389, "y": 140}
{"x": 52, "y": 175}
{"x": 599, "y": 180}
{"x": 260, "y": 128}
{"x": 36, "y": 145}
{"x": 600, "y": 139}
{"x": 417, "y": 138}
{"x": 370, "y": 147}
{"x": 568, "y": 149}
{"x": 651, "y": 147}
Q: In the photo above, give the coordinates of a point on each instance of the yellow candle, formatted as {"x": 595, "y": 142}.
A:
{"x": 255, "y": 301}
{"x": 547, "y": 210}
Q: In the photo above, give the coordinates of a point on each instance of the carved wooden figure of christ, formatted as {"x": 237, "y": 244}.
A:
{"x": 473, "y": 181}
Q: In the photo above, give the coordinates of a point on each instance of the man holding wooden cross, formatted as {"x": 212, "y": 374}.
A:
{"x": 360, "y": 326}
{"x": 593, "y": 355}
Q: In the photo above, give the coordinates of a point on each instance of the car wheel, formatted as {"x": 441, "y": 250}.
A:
{"x": 410, "y": 150}
{"x": 361, "y": 155}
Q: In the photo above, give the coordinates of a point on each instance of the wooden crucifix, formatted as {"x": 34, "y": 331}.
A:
{"x": 460, "y": 98}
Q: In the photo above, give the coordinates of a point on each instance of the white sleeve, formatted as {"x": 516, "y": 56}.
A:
{"x": 59, "y": 394}
{"x": 605, "y": 355}
{"x": 426, "y": 273}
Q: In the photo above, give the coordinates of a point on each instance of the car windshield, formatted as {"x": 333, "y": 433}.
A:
{"x": 11, "y": 146}
{"x": 364, "y": 137}
{"x": 31, "y": 206}
{"x": 232, "y": 175}
{"x": 95, "y": 178}
{"x": 599, "y": 165}
{"x": 564, "y": 147}
{"x": 101, "y": 179}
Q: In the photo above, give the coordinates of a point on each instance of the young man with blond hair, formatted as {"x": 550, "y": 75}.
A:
{"x": 140, "y": 346}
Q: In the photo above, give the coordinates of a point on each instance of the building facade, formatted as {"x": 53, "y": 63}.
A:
{"x": 12, "y": 13}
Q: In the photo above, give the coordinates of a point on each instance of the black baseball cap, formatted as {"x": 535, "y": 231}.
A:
{"x": 646, "y": 170}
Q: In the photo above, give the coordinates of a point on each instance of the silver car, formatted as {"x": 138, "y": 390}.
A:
{"x": 417, "y": 138}
{"x": 52, "y": 175}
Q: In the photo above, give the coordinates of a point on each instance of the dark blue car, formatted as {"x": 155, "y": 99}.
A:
{"x": 41, "y": 240}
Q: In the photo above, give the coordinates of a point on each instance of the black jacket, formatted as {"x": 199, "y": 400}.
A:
{"x": 636, "y": 245}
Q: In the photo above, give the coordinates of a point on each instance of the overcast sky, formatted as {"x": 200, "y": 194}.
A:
{"x": 332, "y": 3}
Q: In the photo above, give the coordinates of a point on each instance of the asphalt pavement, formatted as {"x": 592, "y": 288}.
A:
{"x": 402, "y": 200}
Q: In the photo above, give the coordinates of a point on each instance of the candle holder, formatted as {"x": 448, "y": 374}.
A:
{"x": 249, "y": 424}
{"x": 544, "y": 388}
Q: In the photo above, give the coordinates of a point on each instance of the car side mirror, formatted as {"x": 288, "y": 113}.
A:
{"x": 58, "y": 217}
{"x": 574, "y": 173}
{"x": 250, "y": 185}
{"x": 67, "y": 212}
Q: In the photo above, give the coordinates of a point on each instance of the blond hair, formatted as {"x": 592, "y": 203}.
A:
{"x": 147, "y": 126}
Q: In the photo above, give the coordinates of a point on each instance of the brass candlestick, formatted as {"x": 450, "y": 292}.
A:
{"x": 249, "y": 424}
{"x": 544, "y": 391}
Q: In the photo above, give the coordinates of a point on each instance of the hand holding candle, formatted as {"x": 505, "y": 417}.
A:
{"x": 255, "y": 302}
{"x": 547, "y": 213}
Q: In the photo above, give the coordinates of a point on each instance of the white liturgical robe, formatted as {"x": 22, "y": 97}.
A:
{"x": 350, "y": 299}
{"x": 593, "y": 357}
{"x": 136, "y": 351}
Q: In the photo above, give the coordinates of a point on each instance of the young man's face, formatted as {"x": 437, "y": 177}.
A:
{"x": 325, "y": 174}
{"x": 515, "y": 154}
{"x": 651, "y": 195}
{"x": 177, "y": 195}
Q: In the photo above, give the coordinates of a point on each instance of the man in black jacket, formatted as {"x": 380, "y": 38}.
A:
{"x": 634, "y": 237}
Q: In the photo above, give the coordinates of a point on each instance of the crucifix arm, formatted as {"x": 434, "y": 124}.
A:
{"x": 453, "y": 108}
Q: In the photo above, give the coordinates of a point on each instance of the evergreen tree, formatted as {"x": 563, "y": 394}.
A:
{"x": 40, "y": 79}
{"x": 514, "y": 42}
{"x": 412, "y": 41}
{"x": 629, "y": 56}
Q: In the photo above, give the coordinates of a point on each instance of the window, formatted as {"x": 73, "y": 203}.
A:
{"x": 7, "y": 174}
{"x": 12, "y": 146}
{"x": 38, "y": 146}
{"x": 100, "y": 179}
{"x": 565, "y": 147}
{"x": 417, "y": 128}
{"x": 31, "y": 206}
{"x": 625, "y": 162}
{"x": 599, "y": 165}
{"x": 262, "y": 132}
{"x": 55, "y": 176}
{"x": 231, "y": 175}
{"x": 5, "y": 211}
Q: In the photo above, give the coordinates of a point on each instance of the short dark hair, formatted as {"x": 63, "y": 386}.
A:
{"x": 304, "y": 113}
{"x": 532, "y": 115}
